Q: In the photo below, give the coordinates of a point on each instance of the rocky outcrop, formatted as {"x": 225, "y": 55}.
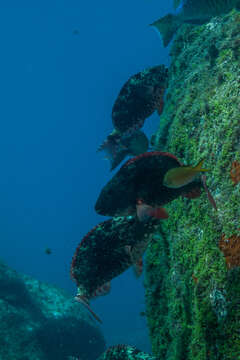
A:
{"x": 125, "y": 352}
{"x": 193, "y": 273}
{"x": 41, "y": 322}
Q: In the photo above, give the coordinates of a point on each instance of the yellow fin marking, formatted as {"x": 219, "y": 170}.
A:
{"x": 199, "y": 168}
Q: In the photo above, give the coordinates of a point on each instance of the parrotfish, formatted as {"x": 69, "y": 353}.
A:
{"x": 105, "y": 252}
{"x": 193, "y": 12}
{"x": 139, "y": 97}
{"x": 183, "y": 175}
{"x": 139, "y": 182}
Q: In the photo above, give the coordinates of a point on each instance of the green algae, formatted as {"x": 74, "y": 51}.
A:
{"x": 193, "y": 300}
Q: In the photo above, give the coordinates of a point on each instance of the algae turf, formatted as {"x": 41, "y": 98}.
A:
{"x": 125, "y": 352}
{"x": 193, "y": 298}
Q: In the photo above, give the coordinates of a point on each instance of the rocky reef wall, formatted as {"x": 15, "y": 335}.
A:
{"x": 192, "y": 272}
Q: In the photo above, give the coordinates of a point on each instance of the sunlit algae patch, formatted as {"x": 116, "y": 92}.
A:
{"x": 193, "y": 264}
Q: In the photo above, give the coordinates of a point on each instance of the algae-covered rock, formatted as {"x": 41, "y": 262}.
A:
{"x": 193, "y": 263}
{"x": 125, "y": 352}
{"x": 41, "y": 322}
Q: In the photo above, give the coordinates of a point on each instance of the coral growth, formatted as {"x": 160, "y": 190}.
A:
{"x": 231, "y": 250}
{"x": 188, "y": 319}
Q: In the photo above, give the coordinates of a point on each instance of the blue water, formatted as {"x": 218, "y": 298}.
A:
{"x": 62, "y": 65}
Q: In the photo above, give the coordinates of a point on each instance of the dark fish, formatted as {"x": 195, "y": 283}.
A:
{"x": 48, "y": 251}
{"x": 105, "y": 252}
{"x": 193, "y": 12}
{"x": 139, "y": 97}
{"x": 141, "y": 178}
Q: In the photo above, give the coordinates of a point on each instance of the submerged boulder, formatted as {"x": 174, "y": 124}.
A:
{"x": 41, "y": 322}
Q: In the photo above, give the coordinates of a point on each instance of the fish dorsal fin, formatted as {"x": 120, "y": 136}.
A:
{"x": 176, "y": 3}
{"x": 198, "y": 167}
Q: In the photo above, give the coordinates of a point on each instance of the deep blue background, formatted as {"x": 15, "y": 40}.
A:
{"x": 57, "y": 89}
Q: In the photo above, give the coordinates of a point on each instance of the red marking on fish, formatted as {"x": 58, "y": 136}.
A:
{"x": 102, "y": 290}
{"x": 149, "y": 154}
{"x": 145, "y": 211}
{"x": 195, "y": 193}
{"x": 138, "y": 267}
{"x": 159, "y": 213}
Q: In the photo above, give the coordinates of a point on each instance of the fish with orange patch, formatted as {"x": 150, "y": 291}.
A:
{"x": 138, "y": 189}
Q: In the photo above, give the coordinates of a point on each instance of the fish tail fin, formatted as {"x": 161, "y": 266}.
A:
{"x": 114, "y": 150}
{"x": 81, "y": 300}
{"x": 198, "y": 167}
{"x": 166, "y": 27}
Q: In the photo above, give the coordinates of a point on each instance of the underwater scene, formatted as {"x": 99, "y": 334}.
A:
{"x": 120, "y": 180}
